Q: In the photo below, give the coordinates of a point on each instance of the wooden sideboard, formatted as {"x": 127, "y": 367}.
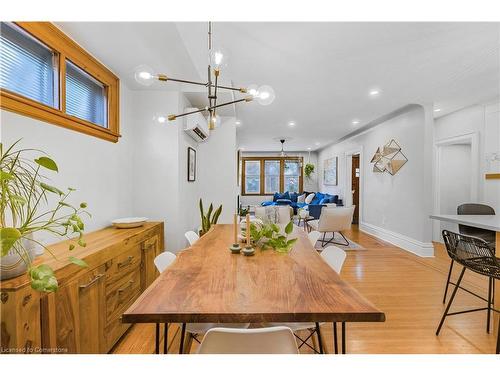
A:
{"x": 84, "y": 315}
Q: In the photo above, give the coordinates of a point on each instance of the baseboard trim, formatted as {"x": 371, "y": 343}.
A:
{"x": 422, "y": 249}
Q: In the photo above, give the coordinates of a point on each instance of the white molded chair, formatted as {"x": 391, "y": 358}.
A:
{"x": 333, "y": 220}
{"x": 335, "y": 258}
{"x": 162, "y": 261}
{"x": 192, "y": 237}
{"x": 270, "y": 340}
{"x": 313, "y": 237}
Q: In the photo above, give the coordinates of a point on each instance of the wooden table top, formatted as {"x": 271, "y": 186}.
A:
{"x": 206, "y": 283}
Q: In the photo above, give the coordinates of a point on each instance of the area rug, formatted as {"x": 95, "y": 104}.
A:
{"x": 338, "y": 238}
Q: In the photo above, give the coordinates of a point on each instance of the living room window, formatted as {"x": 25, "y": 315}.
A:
{"x": 47, "y": 76}
{"x": 268, "y": 175}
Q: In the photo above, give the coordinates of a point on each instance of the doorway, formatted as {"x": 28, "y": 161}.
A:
{"x": 456, "y": 178}
{"x": 355, "y": 174}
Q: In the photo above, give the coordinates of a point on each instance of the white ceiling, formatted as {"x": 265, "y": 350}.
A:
{"x": 321, "y": 72}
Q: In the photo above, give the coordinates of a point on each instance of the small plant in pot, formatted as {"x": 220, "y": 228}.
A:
{"x": 308, "y": 170}
{"x": 29, "y": 205}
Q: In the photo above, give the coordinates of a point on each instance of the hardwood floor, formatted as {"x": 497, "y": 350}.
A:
{"x": 409, "y": 289}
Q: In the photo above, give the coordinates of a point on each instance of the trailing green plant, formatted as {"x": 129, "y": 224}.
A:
{"x": 26, "y": 208}
{"x": 207, "y": 220}
{"x": 268, "y": 235}
{"x": 308, "y": 170}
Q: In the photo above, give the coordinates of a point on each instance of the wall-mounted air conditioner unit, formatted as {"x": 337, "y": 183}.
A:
{"x": 196, "y": 125}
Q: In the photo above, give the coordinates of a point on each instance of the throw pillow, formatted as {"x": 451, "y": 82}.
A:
{"x": 282, "y": 202}
{"x": 309, "y": 198}
{"x": 325, "y": 201}
{"x": 301, "y": 198}
{"x": 293, "y": 197}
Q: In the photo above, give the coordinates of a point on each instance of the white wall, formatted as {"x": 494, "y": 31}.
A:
{"x": 310, "y": 184}
{"x": 483, "y": 120}
{"x": 217, "y": 169}
{"x": 455, "y": 170}
{"x": 100, "y": 170}
{"x": 155, "y": 162}
{"x": 392, "y": 207}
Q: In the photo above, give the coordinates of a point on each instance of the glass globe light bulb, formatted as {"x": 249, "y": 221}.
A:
{"x": 160, "y": 118}
{"x": 214, "y": 122}
{"x": 253, "y": 90}
{"x": 266, "y": 95}
{"x": 218, "y": 58}
{"x": 144, "y": 75}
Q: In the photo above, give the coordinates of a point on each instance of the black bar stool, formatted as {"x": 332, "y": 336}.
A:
{"x": 477, "y": 256}
{"x": 487, "y": 235}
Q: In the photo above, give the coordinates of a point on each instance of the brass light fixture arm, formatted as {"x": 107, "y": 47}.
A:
{"x": 209, "y": 109}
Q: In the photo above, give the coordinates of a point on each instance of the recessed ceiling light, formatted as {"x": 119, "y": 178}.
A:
{"x": 355, "y": 122}
{"x": 317, "y": 143}
{"x": 237, "y": 123}
{"x": 309, "y": 149}
{"x": 374, "y": 92}
{"x": 437, "y": 110}
{"x": 291, "y": 123}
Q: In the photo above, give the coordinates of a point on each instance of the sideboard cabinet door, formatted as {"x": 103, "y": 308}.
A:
{"x": 150, "y": 249}
{"x": 75, "y": 315}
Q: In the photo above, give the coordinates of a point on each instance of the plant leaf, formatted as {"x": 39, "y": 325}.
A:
{"x": 78, "y": 262}
{"x": 8, "y": 237}
{"x": 52, "y": 189}
{"x": 5, "y": 176}
{"x": 48, "y": 163}
{"x": 289, "y": 227}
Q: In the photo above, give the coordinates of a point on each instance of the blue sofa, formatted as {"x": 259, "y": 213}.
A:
{"x": 290, "y": 199}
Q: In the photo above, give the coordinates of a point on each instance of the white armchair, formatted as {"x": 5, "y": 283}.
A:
{"x": 333, "y": 220}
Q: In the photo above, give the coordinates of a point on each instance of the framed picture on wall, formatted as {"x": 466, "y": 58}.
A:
{"x": 330, "y": 171}
{"x": 191, "y": 164}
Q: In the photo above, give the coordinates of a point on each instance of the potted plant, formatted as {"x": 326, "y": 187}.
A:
{"x": 308, "y": 170}
{"x": 269, "y": 235}
{"x": 28, "y": 205}
{"x": 207, "y": 220}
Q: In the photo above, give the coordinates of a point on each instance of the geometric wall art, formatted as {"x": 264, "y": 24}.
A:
{"x": 389, "y": 158}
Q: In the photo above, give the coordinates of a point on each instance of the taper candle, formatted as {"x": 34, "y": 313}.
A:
{"x": 235, "y": 228}
{"x": 248, "y": 229}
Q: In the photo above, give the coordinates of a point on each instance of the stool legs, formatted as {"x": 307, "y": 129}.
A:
{"x": 448, "y": 282}
{"x": 445, "y": 314}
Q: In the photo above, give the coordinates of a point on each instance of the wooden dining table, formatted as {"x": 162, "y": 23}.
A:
{"x": 207, "y": 283}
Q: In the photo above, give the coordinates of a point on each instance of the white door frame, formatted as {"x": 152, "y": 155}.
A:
{"x": 348, "y": 180}
{"x": 473, "y": 140}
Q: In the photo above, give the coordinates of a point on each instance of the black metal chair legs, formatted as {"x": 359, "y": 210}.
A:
{"x": 445, "y": 314}
{"x": 183, "y": 334}
{"x": 332, "y": 242}
{"x": 448, "y": 281}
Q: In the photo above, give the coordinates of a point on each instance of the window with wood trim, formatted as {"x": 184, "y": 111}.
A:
{"x": 47, "y": 76}
{"x": 267, "y": 175}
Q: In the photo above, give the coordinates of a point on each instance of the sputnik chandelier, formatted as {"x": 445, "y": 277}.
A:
{"x": 217, "y": 60}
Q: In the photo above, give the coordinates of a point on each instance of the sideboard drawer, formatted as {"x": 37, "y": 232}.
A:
{"x": 123, "y": 264}
{"x": 118, "y": 296}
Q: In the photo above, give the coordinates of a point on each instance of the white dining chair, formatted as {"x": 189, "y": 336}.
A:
{"x": 270, "y": 340}
{"x": 335, "y": 257}
{"x": 162, "y": 261}
{"x": 313, "y": 237}
{"x": 192, "y": 237}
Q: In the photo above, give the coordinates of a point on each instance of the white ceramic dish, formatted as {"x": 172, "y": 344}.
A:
{"x": 129, "y": 222}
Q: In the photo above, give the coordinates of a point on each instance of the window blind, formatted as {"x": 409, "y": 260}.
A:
{"x": 85, "y": 96}
{"x": 27, "y": 66}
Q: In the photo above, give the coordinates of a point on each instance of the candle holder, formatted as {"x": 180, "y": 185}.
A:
{"x": 248, "y": 251}
{"x": 235, "y": 248}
